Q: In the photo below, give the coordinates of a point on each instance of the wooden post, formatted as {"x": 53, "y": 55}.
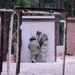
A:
{"x": 1, "y": 41}
{"x": 0, "y": 44}
{"x": 19, "y": 43}
{"x": 10, "y": 44}
{"x": 4, "y": 38}
{"x": 63, "y": 68}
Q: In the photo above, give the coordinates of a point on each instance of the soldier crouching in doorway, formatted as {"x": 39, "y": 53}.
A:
{"x": 34, "y": 48}
{"x": 42, "y": 39}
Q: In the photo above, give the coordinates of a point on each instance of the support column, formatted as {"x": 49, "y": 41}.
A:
{"x": 1, "y": 41}
{"x": 63, "y": 66}
{"x": 10, "y": 44}
{"x": 0, "y": 46}
{"x": 4, "y": 38}
{"x": 19, "y": 43}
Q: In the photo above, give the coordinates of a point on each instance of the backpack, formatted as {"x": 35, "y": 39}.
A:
{"x": 43, "y": 38}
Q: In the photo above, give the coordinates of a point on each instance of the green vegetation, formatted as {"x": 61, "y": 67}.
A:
{"x": 67, "y": 5}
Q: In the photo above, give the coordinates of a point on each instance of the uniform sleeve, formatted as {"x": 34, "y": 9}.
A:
{"x": 29, "y": 46}
{"x": 38, "y": 46}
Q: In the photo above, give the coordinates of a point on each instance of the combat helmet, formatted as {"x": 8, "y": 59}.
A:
{"x": 38, "y": 32}
{"x": 32, "y": 38}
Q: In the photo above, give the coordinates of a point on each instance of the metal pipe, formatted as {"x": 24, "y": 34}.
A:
{"x": 40, "y": 12}
{"x": 63, "y": 66}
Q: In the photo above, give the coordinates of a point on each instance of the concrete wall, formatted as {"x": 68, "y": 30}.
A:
{"x": 60, "y": 50}
{"x": 29, "y": 29}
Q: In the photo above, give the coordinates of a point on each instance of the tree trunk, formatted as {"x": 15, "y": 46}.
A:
{"x": 1, "y": 3}
{"x": 41, "y": 3}
{"x": 30, "y": 3}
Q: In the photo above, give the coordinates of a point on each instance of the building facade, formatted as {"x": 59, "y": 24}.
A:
{"x": 71, "y": 36}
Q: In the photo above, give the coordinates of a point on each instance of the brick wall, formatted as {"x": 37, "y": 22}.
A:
{"x": 71, "y": 35}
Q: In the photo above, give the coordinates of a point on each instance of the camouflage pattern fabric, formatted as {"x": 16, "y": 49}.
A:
{"x": 34, "y": 48}
{"x": 43, "y": 41}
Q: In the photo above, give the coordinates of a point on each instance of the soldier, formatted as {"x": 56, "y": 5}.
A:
{"x": 43, "y": 41}
{"x": 14, "y": 41}
{"x": 34, "y": 48}
{"x": 39, "y": 35}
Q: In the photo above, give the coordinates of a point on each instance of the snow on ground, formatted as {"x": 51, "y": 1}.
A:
{"x": 52, "y": 68}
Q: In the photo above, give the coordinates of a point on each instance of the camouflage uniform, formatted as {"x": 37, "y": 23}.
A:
{"x": 14, "y": 38}
{"x": 34, "y": 48}
{"x": 43, "y": 41}
{"x": 44, "y": 48}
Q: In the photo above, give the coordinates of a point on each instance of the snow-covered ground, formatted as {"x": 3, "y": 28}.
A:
{"x": 52, "y": 68}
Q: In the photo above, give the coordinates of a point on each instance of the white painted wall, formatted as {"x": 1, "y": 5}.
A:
{"x": 60, "y": 49}
{"x": 28, "y": 29}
